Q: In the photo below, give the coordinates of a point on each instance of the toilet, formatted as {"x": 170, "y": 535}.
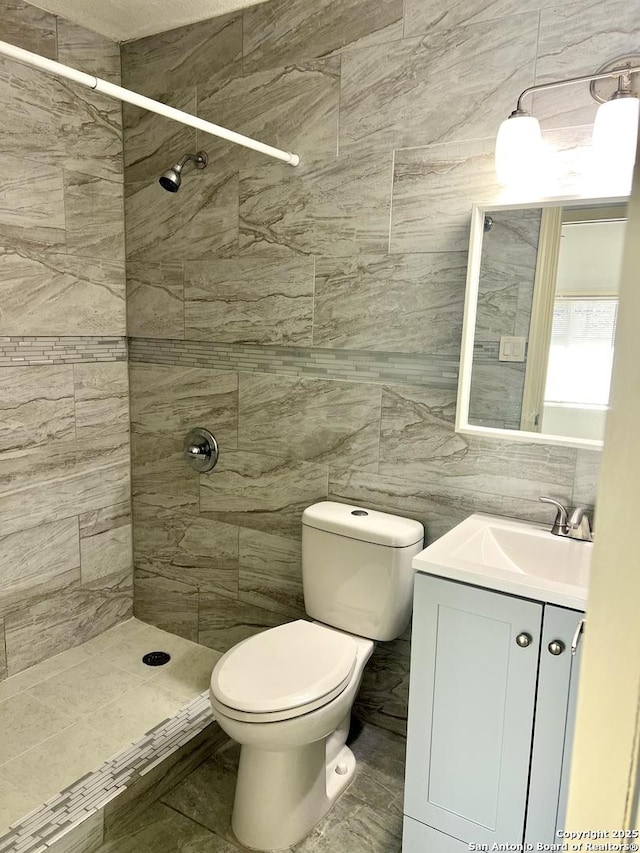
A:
{"x": 285, "y": 695}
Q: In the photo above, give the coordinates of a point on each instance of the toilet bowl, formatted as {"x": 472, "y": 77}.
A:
{"x": 294, "y": 762}
{"x": 285, "y": 695}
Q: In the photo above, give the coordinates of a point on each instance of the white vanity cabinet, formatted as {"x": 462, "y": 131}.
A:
{"x": 490, "y": 718}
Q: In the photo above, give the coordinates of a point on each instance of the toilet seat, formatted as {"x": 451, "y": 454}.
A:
{"x": 283, "y": 672}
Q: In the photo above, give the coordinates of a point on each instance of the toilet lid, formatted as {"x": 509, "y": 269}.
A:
{"x": 284, "y": 668}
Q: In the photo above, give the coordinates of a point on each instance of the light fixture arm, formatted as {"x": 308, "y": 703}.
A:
{"x": 589, "y": 78}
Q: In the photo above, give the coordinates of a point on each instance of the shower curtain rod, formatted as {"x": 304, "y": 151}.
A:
{"x": 121, "y": 94}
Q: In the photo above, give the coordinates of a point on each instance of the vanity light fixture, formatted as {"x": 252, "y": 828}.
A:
{"x": 520, "y": 150}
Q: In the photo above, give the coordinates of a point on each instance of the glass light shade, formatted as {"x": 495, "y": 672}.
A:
{"x": 519, "y": 150}
{"x": 615, "y": 136}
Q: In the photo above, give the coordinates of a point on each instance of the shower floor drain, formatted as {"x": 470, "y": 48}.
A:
{"x": 156, "y": 658}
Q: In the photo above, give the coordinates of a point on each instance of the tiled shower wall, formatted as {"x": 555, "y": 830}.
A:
{"x": 65, "y": 523}
{"x": 271, "y": 300}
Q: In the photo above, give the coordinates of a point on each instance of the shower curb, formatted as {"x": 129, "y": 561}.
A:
{"x": 43, "y": 828}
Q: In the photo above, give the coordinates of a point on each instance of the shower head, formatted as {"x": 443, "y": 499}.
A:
{"x": 172, "y": 178}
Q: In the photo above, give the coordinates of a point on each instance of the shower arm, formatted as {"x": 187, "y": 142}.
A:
{"x": 119, "y": 93}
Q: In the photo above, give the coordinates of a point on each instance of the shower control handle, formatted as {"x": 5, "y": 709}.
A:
{"x": 200, "y": 449}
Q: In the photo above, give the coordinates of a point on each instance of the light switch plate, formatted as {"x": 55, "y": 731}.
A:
{"x": 512, "y": 348}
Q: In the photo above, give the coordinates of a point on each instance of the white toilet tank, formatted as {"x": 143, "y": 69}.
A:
{"x": 356, "y": 568}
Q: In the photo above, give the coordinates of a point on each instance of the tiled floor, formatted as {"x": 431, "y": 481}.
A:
{"x": 65, "y": 716}
{"x": 195, "y": 815}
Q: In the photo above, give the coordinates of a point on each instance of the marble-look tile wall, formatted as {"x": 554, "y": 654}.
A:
{"x": 358, "y": 252}
{"x": 505, "y": 299}
{"x": 65, "y": 518}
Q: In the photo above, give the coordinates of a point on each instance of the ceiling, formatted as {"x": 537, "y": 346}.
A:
{"x": 124, "y": 20}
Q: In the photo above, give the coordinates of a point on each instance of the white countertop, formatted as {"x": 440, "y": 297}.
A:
{"x": 517, "y": 557}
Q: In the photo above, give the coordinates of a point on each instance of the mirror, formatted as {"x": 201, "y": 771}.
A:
{"x": 540, "y": 319}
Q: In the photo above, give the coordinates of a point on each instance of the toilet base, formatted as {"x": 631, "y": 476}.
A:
{"x": 281, "y": 796}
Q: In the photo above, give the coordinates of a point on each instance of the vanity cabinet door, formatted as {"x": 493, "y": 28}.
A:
{"x": 474, "y": 664}
{"x": 553, "y": 733}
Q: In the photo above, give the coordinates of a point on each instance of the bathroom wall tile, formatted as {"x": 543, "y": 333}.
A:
{"x": 313, "y": 419}
{"x": 162, "y": 482}
{"x": 169, "y": 604}
{"x": 105, "y": 553}
{"x": 169, "y": 401}
{"x": 391, "y": 303}
{"x": 381, "y": 85}
{"x": 271, "y": 572}
{"x": 507, "y": 276}
{"x": 226, "y": 621}
{"x": 576, "y": 39}
{"x": 496, "y": 393}
{"x": 3, "y": 653}
{"x": 384, "y": 693}
{"x": 102, "y": 520}
{"x": 58, "y": 123}
{"x": 585, "y": 486}
{"x": 36, "y": 406}
{"x": 294, "y": 108}
{"x": 155, "y": 306}
{"x": 28, "y": 27}
{"x": 62, "y": 479}
{"x": 65, "y": 619}
{"x": 433, "y": 190}
{"x": 266, "y": 493}
{"x": 31, "y": 205}
{"x": 105, "y": 541}
{"x": 262, "y": 301}
{"x": 422, "y": 418}
{"x": 333, "y": 207}
{"x": 94, "y": 216}
{"x": 284, "y": 32}
{"x": 197, "y": 551}
{"x": 102, "y": 399}
{"x": 183, "y": 57}
{"x": 38, "y": 561}
{"x": 199, "y": 222}
{"x": 153, "y": 143}
{"x": 424, "y": 16}
{"x": 47, "y": 294}
{"x": 88, "y": 51}
{"x": 439, "y": 506}
{"x": 418, "y": 441}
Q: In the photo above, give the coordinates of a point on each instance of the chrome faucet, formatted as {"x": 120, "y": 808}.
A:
{"x": 576, "y": 526}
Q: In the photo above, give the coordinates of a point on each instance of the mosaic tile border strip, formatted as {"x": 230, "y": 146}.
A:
{"x": 18, "y": 351}
{"x": 350, "y": 365}
{"x": 41, "y": 829}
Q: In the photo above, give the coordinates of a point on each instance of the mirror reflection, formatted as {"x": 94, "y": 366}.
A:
{"x": 546, "y": 316}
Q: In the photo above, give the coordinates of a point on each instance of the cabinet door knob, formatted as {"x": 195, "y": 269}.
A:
{"x": 523, "y": 640}
{"x": 556, "y": 647}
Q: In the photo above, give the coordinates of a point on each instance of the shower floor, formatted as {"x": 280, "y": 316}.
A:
{"x": 65, "y": 716}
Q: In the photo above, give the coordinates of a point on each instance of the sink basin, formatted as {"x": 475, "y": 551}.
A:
{"x": 517, "y": 557}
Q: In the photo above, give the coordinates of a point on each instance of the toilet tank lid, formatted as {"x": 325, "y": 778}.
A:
{"x": 367, "y": 525}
